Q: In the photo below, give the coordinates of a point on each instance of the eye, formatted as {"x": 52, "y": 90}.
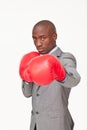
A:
{"x": 34, "y": 39}
{"x": 43, "y": 38}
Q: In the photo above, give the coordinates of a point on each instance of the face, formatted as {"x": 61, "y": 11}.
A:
{"x": 44, "y": 39}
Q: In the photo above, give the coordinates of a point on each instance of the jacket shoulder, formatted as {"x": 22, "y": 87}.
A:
{"x": 68, "y": 58}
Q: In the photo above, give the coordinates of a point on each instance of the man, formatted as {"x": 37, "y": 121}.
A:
{"x": 49, "y": 96}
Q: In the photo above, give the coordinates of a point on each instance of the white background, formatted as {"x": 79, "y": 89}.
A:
{"x": 17, "y": 18}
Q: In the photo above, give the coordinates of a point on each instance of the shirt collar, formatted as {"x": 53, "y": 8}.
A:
{"x": 54, "y": 49}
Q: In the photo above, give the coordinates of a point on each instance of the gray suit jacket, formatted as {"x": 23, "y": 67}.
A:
{"x": 50, "y": 103}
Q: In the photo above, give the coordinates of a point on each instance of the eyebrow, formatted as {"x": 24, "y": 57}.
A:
{"x": 40, "y": 36}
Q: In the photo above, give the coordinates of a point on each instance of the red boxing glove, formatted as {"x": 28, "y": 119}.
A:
{"x": 44, "y": 69}
{"x": 24, "y": 64}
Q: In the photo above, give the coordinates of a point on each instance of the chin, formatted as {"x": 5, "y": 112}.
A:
{"x": 42, "y": 52}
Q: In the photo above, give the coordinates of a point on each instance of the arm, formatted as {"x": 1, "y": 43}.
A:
{"x": 27, "y": 88}
{"x": 72, "y": 76}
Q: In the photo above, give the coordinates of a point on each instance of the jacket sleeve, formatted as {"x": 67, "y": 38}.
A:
{"x": 27, "y": 88}
{"x": 72, "y": 76}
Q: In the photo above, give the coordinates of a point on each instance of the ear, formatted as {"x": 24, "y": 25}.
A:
{"x": 54, "y": 36}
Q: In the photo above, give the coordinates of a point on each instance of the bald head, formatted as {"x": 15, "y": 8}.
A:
{"x": 46, "y": 23}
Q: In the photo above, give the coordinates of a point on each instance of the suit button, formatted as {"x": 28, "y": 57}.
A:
{"x": 37, "y": 112}
{"x": 37, "y": 94}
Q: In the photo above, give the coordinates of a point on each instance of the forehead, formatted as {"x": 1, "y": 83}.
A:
{"x": 41, "y": 30}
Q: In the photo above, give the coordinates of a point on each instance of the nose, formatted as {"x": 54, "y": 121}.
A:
{"x": 38, "y": 43}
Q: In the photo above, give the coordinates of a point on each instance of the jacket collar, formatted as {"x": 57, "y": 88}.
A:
{"x": 57, "y": 52}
